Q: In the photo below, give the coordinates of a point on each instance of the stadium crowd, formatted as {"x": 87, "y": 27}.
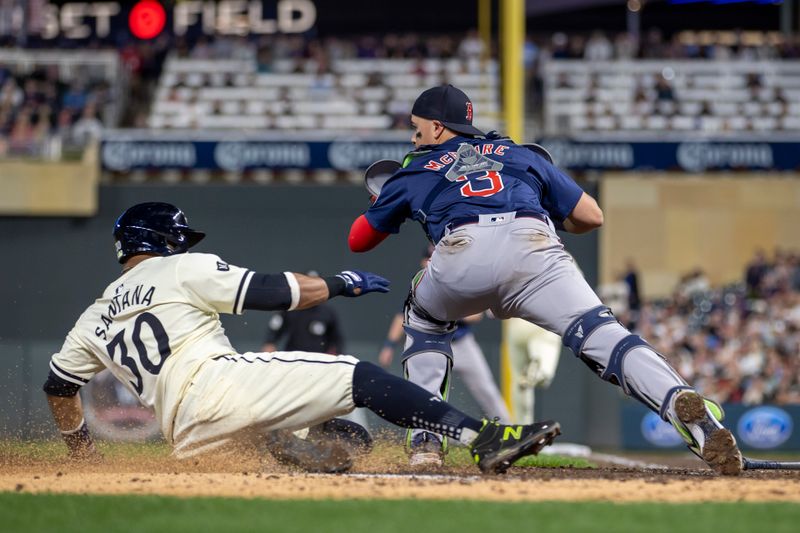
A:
{"x": 36, "y": 104}
{"x": 737, "y": 344}
{"x": 326, "y": 49}
{"x": 653, "y": 44}
{"x": 597, "y": 46}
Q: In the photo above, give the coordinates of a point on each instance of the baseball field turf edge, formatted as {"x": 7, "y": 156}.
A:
{"x": 54, "y": 451}
{"x": 64, "y": 513}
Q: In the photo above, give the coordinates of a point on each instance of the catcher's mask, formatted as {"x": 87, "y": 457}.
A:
{"x": 153, "y": 227}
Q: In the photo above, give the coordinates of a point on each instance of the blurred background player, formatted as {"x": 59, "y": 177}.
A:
{"x": 315, "y": 329}
{"x": 533, "y": 354}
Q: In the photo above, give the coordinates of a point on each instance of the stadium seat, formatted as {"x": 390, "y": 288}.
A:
{"x": 355, "y": 94}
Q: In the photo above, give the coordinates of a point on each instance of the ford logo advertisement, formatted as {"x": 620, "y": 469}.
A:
{"x": 658, "y": 432}
{"x": 756, "y": 427}
{"x": 765, "y": 427}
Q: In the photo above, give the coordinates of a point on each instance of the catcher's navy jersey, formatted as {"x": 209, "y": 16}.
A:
{"x": 465, "y": 177}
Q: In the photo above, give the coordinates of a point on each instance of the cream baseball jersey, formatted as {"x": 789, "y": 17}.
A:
{"x": 159, "y": 321}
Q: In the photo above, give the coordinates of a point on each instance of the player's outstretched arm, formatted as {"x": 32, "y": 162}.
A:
{"x": 292, "y": 291}
{"x": 586, "y": 216}
{"x": 68, "y": 415}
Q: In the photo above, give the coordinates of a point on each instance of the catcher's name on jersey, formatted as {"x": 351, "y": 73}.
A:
{"x": 450, "y": 157}
{"x": 121, "y": 301}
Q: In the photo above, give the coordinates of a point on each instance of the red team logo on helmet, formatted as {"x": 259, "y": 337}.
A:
{"x": 469, "y": 111}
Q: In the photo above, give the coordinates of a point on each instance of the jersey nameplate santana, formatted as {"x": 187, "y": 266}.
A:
{"x": 160, "y": 317}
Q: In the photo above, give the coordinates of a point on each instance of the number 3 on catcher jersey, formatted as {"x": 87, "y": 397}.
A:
{"x": 494, "y": 178}
{"x": 144, "y": 362}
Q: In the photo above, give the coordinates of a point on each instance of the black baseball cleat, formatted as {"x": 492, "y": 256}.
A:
{"x": 321, "y": 456}
{"x": 496, "y": 447}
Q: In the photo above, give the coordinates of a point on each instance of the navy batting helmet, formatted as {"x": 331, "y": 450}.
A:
{"x": 153, "y": 227}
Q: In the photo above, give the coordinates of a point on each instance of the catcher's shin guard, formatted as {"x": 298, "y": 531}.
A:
{"x": 620, "y": 357}
{"x": 431, "y": 371}
{"x": 428, "y": 354}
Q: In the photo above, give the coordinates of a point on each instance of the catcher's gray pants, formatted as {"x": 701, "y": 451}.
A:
{"x": 518, "y": 268}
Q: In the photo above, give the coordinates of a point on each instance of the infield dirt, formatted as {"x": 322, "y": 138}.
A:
{"x": 385, "y": 476}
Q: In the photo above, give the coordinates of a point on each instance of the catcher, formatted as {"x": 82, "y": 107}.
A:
{"x": 492, "y": 208}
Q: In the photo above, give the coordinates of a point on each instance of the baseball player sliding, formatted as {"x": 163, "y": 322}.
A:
{"x": 492, "y": 208}
{"x": 157, "y": 329}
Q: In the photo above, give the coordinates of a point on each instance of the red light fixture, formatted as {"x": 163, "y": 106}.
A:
{"x": 147, "y": 19}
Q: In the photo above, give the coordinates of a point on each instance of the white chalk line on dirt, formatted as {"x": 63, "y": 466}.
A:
{"x": 623, "y": 461}
{"x": 580, "y": 450}
{"x": 606, "y": 458}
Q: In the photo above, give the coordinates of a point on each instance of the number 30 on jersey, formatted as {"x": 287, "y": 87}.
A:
{"x": 495, "y": 184}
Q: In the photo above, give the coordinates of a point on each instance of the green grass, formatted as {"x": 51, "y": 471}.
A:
{"x": 48, "y": 513}
{"x": 55, "y": 448}
{"x": 457, "y": 456}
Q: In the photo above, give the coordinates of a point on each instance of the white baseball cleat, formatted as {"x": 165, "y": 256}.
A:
{"x": 703, "y": 433}
{"x": 426, "y": 459}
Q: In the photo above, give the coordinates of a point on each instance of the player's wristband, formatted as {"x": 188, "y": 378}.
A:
{"x": 79, "y": 440}
{"x": 390, "y": 343}
{"x": 336, "y": 286}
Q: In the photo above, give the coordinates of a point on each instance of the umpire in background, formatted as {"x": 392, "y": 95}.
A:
{"x": 315, "y": 329}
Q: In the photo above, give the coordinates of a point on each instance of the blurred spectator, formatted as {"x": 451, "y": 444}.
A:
{"x": 264, "y": 61}
{"x": 631, "y": 279}
{"x": 471, "y": 46}
{"x": 75, "y": 98}
{"x": 694, "y": 282}
{"x": 736, "y": 344}
{"x": 88, "y": 127}
{"x": 615, "y": 295}
{"x": 598, "y": 48}
{"x": 560, "y": 46}
{"x": 664, "y": 90}
{"x": 625, "y": 46}
{"x": 756, "y": 270}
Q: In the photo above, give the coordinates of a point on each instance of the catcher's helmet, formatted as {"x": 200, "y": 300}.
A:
{"x": 153, "y": 227}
